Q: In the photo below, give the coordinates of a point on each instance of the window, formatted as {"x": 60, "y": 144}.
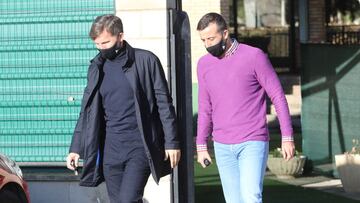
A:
{"x": 343, "y": 21}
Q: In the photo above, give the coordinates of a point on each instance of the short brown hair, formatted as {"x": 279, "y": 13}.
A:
{"x": 111, "y": 23}
{"x": 212, "y": 18}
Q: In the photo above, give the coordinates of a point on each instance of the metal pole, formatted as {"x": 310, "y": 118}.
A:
{"x": 303, "y": 21}
{"x": 292, "y": 33}
{"x": 182, "y": 184}
{"x": 235, "y": 14}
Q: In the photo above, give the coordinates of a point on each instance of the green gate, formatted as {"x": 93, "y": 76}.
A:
{"x": 44, "y": 56}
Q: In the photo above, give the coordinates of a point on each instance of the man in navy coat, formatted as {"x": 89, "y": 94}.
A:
{"x": 126, "y": 129}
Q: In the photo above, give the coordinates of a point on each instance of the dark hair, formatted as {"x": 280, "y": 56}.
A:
{"x": 109, "y": 22}
{"x": 212, "y": 18}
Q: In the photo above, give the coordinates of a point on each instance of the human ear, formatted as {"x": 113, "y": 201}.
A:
{"x": 226, "y": 34}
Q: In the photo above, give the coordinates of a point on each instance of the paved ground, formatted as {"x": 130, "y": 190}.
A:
{"x": 319, "y": 182}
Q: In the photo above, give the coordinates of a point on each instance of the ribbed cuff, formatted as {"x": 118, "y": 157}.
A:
{"x": 201, "y": 147}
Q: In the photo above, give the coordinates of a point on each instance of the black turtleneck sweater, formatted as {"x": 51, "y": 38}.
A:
{"x": 119, "y": 104}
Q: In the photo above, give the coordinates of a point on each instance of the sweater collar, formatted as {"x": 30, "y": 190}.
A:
{"x": 233, "y": 48}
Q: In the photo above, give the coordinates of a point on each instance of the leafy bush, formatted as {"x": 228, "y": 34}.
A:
{"x": 355, "y": 148}
{"x": 278, "y": 153}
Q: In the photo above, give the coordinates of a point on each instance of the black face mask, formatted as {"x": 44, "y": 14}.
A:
{"x": 111, "y": 52}
{"x": 218, "y": 49}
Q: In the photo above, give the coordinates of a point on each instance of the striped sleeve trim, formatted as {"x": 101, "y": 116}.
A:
{"x": 287, "y": 139}
{"x": 201, "y": 147}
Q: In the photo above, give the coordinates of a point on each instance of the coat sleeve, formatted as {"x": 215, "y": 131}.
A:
{"x": 164, "y": 104}
{"x": 77, "y": 146}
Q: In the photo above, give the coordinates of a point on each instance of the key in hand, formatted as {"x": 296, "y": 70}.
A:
{"x": 207, "y": 162}
{"x": 76, "y": 170}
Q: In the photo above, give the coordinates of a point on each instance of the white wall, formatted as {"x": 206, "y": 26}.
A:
{"x": 145, "y": 26}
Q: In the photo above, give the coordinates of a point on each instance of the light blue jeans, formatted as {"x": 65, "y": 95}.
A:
{"x": 242, "y": 168}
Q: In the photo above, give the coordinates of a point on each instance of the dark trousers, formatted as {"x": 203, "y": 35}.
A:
{"x": 126, "y": 171}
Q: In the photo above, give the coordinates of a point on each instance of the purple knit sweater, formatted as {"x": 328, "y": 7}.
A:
{"x": 232, "y": 103}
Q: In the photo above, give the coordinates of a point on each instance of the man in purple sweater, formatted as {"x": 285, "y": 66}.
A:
{"x": 233, "y": 80}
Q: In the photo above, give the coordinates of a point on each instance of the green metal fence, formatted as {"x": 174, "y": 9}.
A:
{"x": 44, "y": 56}
{"x": 330, "y": 114}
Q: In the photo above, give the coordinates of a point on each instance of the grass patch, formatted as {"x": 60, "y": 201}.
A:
{"x": 208, "y": 190}
{"x": 207, "y": 184}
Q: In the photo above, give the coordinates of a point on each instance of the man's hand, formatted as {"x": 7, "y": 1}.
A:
{"x": 174, "y": 155}
{"x": 288, "y": 150}
{"x": 72, "y": 161}
{"x": 201, "y": 156}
